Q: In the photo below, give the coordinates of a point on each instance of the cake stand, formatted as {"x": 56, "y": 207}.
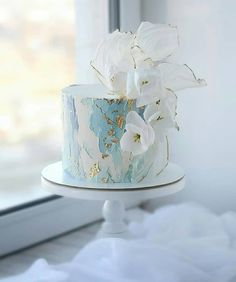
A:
{"x": 169, "y": 181}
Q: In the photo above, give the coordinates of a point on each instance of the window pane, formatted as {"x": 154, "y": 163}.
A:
{"x": 37, "y": 51}
{"x": 44, "y": 46}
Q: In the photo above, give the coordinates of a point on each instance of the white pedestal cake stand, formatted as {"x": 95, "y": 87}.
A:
{"x": 169, "y": 181}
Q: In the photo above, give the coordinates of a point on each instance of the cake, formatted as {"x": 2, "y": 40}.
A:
{"x": 116, "y": 131}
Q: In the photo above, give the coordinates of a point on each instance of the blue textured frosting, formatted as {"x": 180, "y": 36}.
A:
{"x": 106, "y": 124}
{"x": 107, "y": 121}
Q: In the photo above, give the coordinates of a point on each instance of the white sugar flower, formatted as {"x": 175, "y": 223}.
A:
{"x": 145, "y": 85}
{"x": 157, "y": 41}
{"x": 161, "y": 114}
{"x": 178, "y": 77}
{"x": 133, "y": 65}
{"x": 113, "y": 60}
{"x": 139, "y": 135}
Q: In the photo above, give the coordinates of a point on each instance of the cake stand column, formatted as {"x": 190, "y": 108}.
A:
{"x": 170, "y": 181}
{"x": 114, "y": 224}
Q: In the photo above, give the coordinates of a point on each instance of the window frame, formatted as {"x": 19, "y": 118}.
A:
{"x": 37, "y": 221}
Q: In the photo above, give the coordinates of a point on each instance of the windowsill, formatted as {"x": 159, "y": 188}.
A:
{"x": 58, "y": 250}
{"x": 16, "y": 198}
{"x": 21, "y": 186}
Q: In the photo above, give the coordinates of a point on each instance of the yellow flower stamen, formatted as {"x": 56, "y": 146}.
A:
{"x": 137, "y": 138}
{"x": 144, "y": 82}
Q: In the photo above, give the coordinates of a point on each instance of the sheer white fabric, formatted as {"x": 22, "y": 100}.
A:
{"x": 176, "y": 243}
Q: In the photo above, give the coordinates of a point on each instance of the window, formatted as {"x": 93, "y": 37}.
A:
{"x": 38, "y": 58}
{"x": 37, "y": 52}
{"x": 44, "y": 46}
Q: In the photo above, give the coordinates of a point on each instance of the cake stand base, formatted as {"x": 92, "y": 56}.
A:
{"x": 114, "y": 224}
{"x": 170, "y": 181}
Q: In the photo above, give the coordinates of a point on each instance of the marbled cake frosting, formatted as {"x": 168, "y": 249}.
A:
{"x": 93, "y": 128}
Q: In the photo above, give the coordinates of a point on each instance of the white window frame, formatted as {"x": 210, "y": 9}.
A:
{"x": 40, "y": 220}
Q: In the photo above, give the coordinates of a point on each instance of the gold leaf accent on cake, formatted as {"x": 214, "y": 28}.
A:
{"x": 108, "y": 120}
{"x": 94, "y": 170}
{"x": 105, "y": 179}
{"x": 115, "y": 140}
{"x": 111, "y": 101}
{"x": 114, "y": 101}
{"x": 130, "y": 104}
{"x": 111, "y": 132}
{"x": 107, "y": 145}
{"x": 120, "y": 121}
{"x": 104, "y": 156}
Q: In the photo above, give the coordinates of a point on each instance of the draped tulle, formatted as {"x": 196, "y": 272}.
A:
{"x": 186, "y": 243}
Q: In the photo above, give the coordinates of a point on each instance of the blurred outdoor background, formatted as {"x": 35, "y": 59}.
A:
{"x": 37, "y": 51}
{"x": 45, "y": 45}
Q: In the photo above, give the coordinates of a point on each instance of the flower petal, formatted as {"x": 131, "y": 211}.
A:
{"x": 136, "y": 125}
{"x": 151, "y": 135}
{"x": 162, "y": 115}
{"x": 147, "y": 138}
{"x": 141, "y": 60}
{"x": 131, "y": 89}
{"x": 149, "y": 85}
{"x": 158, "y": 41}
{"x": 168, "y": 104}
{"x": 112, "y": 59}
{"x": 134, "y": 129}
{"x": 135, "y": 119}
{"x": 139, "y": 148}
{"x": 177, "y": 77}
{"x": 147, "y": 98}
{"x": 128, "y": 144}
{"x": 151, "y": 112}
{"x": 126, "y": 141}
{"x": 118, "y": 83}
{"x": 146, "y": 78}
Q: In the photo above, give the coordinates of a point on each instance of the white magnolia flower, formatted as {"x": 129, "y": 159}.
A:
{"x": 161, "y": 114}
{"x": 139, "y": 135}
{"x": 113, "y": 60}
{"x": 177, "y": 77}
{"x": 145, "y": 85}
{"x": 157, "y": 41}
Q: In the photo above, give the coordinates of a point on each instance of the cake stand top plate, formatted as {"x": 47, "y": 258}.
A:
{"x": 169, "y": 181}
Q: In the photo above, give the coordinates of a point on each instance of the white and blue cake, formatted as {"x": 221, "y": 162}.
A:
{"x": 115, "y": 132}
{"x": 93, "y": 128}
